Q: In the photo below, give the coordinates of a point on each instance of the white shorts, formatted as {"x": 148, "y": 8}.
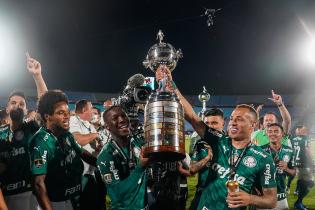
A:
{"x": 281, "y": 205}
{"x": 25, "y": 201}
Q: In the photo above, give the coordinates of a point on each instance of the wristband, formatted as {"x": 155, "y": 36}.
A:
{"x": 279, "y": 105}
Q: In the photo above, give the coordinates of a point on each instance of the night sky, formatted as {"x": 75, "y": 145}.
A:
{"x": 96, "y": 45}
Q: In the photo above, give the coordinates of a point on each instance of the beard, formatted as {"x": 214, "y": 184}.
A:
{"x": 58, "y": 129}
{"x": 17, "y": 115}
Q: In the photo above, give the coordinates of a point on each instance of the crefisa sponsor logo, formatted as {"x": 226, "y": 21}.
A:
{"x": 267, "y": 174}
{"x": 223, "y": 172}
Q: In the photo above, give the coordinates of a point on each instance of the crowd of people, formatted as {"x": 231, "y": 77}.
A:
{"x": 53, "y": 160}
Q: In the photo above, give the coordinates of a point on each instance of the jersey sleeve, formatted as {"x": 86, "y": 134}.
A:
{"x": 199, "y": 151}
{"x": 39, "y": 154}
{"x": 76, "y": 146}
{"x": 267, "y": 173}
{"x": 212, "y": 136}
{"x": 119, "y": 189}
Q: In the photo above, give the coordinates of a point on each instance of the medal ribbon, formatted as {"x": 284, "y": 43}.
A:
{"x": 128, "y": 160}
{"x": 234, "y": 165}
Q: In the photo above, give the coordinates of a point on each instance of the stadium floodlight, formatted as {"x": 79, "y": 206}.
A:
{"x": 11, "y": 47}
{"x": 307, "y": 51}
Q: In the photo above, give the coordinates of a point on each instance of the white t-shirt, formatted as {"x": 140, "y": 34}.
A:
{"x": 77, "y": 125}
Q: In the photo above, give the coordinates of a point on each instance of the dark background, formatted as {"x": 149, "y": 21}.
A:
{"x": 96, "y": 45}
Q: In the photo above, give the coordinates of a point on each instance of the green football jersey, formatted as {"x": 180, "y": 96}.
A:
{"x": 199, "y": 153}
{"x": 284, "y": 154}
{"x": 59, "y": 159}
{"x": 14, "y": 154}
{"x": 301, "y": 160}
{"x": 260, "y": 138}
{"x": 123, "y": 175}
{"x": 255, "y": 167}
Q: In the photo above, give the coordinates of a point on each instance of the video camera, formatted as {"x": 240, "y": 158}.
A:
{"x": 135, "y": 94}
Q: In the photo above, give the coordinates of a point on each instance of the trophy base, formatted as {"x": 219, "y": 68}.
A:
{"x": 165, "y": 153}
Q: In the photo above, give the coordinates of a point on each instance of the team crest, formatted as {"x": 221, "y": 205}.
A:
{"x": 286, "y": 158}
{"x": 19, "y": 135}
{"x": 38, "y": 163}
{"x": 107, "y": 178}
{"x": 250, "y": 161}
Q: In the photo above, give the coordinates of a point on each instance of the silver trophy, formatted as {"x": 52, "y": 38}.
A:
{"x": 162, "y": 53}
{"x": 164, "y": 116}
{"x": 204, "y": 97}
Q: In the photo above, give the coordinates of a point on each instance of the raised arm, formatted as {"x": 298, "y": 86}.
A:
{"x": 190, "y": 115}
{"x": 285, "y": 115}
{"x": 34, "y": 67}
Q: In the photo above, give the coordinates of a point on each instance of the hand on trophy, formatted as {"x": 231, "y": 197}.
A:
{"x": 164, "y": 77}
{"x": 162, "y": 72}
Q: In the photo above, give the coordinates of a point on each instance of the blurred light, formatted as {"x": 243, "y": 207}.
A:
{"x": 308, "y": 47}
{"x": 11, "y": 47}
{"x": 307, "y": 53}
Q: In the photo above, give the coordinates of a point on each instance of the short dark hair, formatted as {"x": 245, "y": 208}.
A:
{"x": 250, "y": 108}
{"x": 276, "y": 124}
{"x": 80, "y": 105}
{"x": 214, "y": 112}
{"x": 261, "y": 120}
{"x": 47, "y": 102}
{"x": 273, "y": 113}
{"x": 16, "y": 93}
{"x": 110, "y": 109}
{"x": 97, "y": 109}
{"x": 30, "y": 110}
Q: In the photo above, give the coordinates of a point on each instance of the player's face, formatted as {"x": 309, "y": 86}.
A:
{"x": 269, "y": 119}
{"x": 60, "y": 118}
{"x": 215, "y": 122}
{"x": 275, "y": 134}
{"x": 241, "y": 124}
{"x": 16, "y": 102}
{"x": 117, "y": 122}
{"x": 302, "y": 131}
